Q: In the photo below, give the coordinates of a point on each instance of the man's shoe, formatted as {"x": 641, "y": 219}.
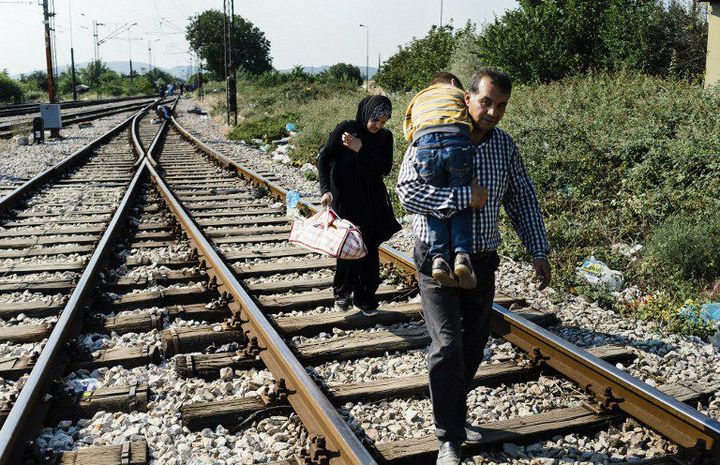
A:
{"x": 442, "y": 273}
{"x": 473, "y": 435}
{"x": 448, "y": 454}
{"x": 464, "y": 271}
{"x": 366, "y": 311}
{"x": 342, "y": 304}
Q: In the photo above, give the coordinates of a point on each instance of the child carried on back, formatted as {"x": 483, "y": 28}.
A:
{"x": 437, "y": 123}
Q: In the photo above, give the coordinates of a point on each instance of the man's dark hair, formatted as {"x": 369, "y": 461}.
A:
{"x": 447, "y": 78}
{"x": 497, "y": 77}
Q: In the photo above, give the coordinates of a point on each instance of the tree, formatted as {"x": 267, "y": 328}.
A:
{"x": 545, "y": 40}
{"x": 344, "y": 72}
{"x": 415, "y": 64}
{"x": 251, "y": 50}
{"x": 92, "y": 73}
{"x": 37, "y": 80}
{"x": 10, "y": 90}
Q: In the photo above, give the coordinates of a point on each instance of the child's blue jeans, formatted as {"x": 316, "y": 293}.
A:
{"x": 446, "y": 160}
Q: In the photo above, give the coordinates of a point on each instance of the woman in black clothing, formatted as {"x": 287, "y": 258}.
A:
{"x": 352, "y": 164}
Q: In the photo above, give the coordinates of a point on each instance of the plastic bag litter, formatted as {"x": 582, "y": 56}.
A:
{"x": 291, "y": 205}
{"x": 598, "y": 273}
{"x": 709, "y": 312}
{"x": 290, "y": 127}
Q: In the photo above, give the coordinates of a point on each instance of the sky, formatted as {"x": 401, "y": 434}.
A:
{"x": 307, "y": 32}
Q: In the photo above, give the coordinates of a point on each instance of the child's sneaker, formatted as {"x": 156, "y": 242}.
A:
{"x": 464, "y": 271}
{"x": 442, "y": 273}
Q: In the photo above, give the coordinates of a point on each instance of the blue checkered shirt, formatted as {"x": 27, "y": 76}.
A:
{"x": 500, "y": 169}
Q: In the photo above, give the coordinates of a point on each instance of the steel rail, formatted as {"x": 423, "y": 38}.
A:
{"x": 8, "y": 128}
{"x": 11, "y": 199}
{"x": 25, "y": 108}
{"x": 612, "y": 387}
{"x": 334, "y": 438}
{"x": 24, "y": 414}
{"x": 160, "y": 133}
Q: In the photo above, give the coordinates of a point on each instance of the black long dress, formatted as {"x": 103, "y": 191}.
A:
{"x": 359, "y": 195}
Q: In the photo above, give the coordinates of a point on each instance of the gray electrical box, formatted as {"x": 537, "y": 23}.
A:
{"x": 50, "y": 113}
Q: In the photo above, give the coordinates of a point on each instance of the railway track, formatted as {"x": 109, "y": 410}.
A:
{"x": 25, "y": 108}
{"x": 10, "y": 126}
{"x": 237, "y": 298}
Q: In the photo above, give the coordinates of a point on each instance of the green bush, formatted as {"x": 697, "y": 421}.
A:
{"x": 415, "y": 64}
{"x": 612, "y": 156}
{"x": 10, "y": 90}
{"x": 545, "y": 40}
{"x": 266, "y": 127}
{"x": 342, "y": 72}
{"x": 688, "y": 246}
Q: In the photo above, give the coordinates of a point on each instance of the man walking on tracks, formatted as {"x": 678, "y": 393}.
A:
{"x": 458, "y": 320}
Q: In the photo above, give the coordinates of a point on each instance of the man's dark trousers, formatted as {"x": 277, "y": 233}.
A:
{"x": 458, "y": 321}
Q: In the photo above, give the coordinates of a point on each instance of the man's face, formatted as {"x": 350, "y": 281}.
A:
{"x": 487, "y": 107}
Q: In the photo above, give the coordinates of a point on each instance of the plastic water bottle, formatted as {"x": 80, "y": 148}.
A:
{"x": 291, "y": 204}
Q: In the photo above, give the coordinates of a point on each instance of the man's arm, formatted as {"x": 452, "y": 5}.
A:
{"x": 522, "y": 207}
{"x": 421, "y": 198}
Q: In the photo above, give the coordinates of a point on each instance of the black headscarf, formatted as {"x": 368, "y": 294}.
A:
{"x": 372, "y": 107}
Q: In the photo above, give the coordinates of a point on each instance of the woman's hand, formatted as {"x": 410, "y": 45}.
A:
{"x": 351, "y": 142}
{"x": 326, "y": 199}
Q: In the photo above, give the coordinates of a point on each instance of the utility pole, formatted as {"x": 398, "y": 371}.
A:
{"x": 230, "y": 84}
{"x": 441, "y": 12}
{"x": 378, "y": 68}
{"x": 72, "y": 55}
{"x": 48, "y": 53}
{"x": 200, "y": 78}
{"x": 95, "y": 42}
{"x": 149, "y": 57}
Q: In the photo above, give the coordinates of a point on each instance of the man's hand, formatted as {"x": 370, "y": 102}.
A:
{"x": 326, "y": 199}
{"x": 351, "y": 142}
{"x": 542, "y": 272}
{"x": 478, "y": 195}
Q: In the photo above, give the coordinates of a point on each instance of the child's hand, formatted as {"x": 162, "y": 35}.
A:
{"x": 351, "y": 142}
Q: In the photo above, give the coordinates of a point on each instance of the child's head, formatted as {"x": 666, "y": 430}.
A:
{"x": 447, "y": 78}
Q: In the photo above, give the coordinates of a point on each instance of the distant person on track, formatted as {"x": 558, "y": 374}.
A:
{"x": 458, "y": 320}
{"x": 352, "y": 164}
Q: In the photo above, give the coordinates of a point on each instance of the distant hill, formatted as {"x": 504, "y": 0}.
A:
{"x": 319, "y": 69}
{"x": 123, "y": 67}
{"x": 182, "y": 72}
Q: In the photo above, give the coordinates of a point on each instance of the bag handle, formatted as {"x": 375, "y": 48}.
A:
{"x": 330, "y": 216}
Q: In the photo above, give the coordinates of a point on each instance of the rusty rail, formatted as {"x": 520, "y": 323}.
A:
{"x": 7, "y": 202}
{"x": 27, "y": 413}
{"x": 332, "y": 439}
{"x": 613, "y": 389}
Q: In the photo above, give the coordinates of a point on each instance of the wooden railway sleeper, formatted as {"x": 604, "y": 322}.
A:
{"x": 175, "y": 339}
